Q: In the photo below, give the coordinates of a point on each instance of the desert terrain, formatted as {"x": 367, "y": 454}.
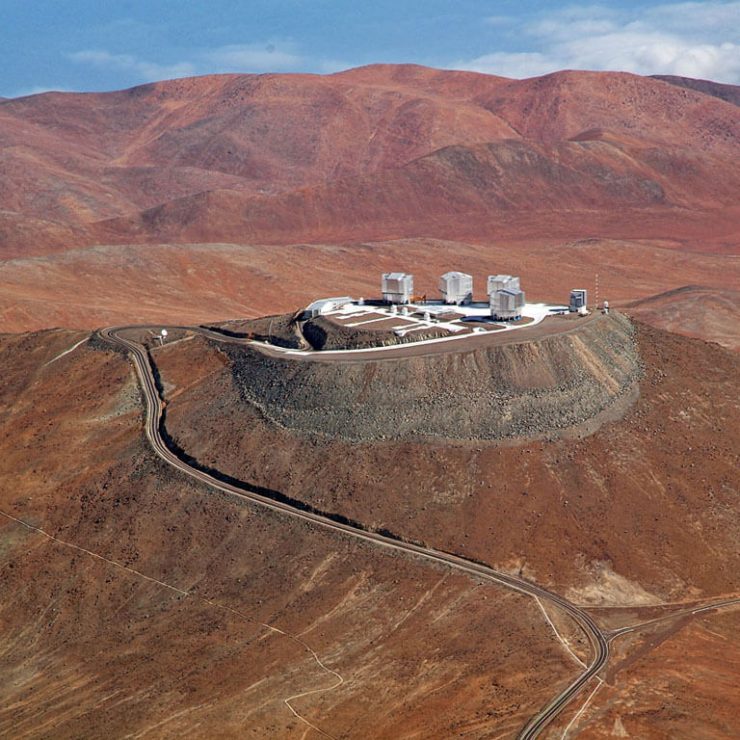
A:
{"x": 150, "y": 604}
{"x": 239, "y": 195}
{"x": 129, "y": 582}
{"x": 595, "y": 459}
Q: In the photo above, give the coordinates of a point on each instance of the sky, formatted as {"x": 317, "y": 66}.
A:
{"x": 90, "y": 45}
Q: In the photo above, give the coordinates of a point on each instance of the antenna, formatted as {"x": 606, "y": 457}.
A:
{"x": 596, "y": 292}
{"x": 162, "y": 336}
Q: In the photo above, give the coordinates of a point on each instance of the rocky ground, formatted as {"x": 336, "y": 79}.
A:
{"x": 493, "y": 393}
{"x": 641, "y": 513}
{"x": 136, "y": 601}
{"x": 637, "y": 510}
{"x": 324, "y": 334}
{"x": 133, "y": 601}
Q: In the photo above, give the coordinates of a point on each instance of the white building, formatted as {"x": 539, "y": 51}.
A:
{"x": 505, "y": 297}
{"x": 507, "y": 304}
{"x": 397, "y": 287}
{"x": 326, "y": 305}
{"x": 578, "y": 299}
{"x": 456, "y": 288}
{"x": 502, "y": 282}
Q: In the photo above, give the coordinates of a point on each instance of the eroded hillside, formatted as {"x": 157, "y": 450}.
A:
{"x": 150, "y": 604}
{"x": 496, "y": 392}
{"x": 633, "y": 512}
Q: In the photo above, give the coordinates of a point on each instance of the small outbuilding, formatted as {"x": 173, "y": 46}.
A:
{"x": 456, "y": 288}
{"x": 397, "y": 287}
{"x": 578, "y": 300}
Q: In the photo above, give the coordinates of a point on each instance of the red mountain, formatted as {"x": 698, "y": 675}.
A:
{"x": 379, "y": 152}
{"x": 730, "y": 93}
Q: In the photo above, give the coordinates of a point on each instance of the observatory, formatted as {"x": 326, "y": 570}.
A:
{"x": 502, "y": 282}
{"x": 456, "y": 288}
{"x": 507, "y": 304}
{"x": 505, "y": 297}
{"x": 397, "y": 287}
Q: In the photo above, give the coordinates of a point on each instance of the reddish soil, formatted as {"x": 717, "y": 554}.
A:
{"x": 198, "y": 283}
{"x": 730, "y": 93}
{"x": 378, "y": 152}
{"x": 643, "y": 510}
{"x": 92, "y": 647}
{"x": 697, "y": 311}
{"x": 556, "y": 178}
{"x": 676, "y": 679}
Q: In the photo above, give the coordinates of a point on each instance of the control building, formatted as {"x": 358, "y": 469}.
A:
{"x": 505, "y": 297}
{"x": 578, "y": 300}
{"x": 456, "y": 288}
{"x": 397, "y": 287}
{"x": 326, "y": 305}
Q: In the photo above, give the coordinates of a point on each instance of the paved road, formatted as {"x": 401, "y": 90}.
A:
{"x": 687, "y": 612}
{"x": 597, "y": 639}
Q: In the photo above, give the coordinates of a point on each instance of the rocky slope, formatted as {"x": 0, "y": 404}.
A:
{"x": 134, "y": 601}
{"x": 524, "y": 389}
{"x": 149, "y": 604}
{"x": 638, "y": 511}
{"x": 634, "y": 519}
{"x": 695, "y": 310}
{"x": 199, "y": 283}
{"x": 730, "y": 93}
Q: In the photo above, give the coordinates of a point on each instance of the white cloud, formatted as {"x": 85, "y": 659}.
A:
{"x": 142, "y": 68}
{"x": 690, "y": 39}
{"x": 271, "y": 56}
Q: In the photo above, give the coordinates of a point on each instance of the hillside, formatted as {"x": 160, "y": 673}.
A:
{"x": 310, "y": 185}
{"x": 136, "y": 601}
{"x": 515, "y": 188}
{"x": 195, "y": 283}
{"x": 367, "y": 153}
{"x": 139, "y": 583}
{"x": 593, "y": 461}
{"x": 604, "y": 475}
{"x": 730, "y": 93}
{"x": 497, "y": 392}
{"x": 694, "y": 310}
{"x": 631, "y": 518}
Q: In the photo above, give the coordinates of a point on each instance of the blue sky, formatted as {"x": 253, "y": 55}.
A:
{"x": 112, "y": 44}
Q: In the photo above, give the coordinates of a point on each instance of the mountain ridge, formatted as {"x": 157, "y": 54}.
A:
{"x": 73, "y": 160}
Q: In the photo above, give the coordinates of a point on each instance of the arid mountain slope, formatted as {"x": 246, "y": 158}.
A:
{"x": 730, "y": 93}
{"x": 245, "y": 152}
{"x": 694, "y": 310}
{"x": 155, "y": 605}
{"x": 514, "y": 188}
{"x": 193, "y": 283}
{"x": 636, "y": 519}
{"x": 147, "y": 603}
{"x": 637, "y": 511}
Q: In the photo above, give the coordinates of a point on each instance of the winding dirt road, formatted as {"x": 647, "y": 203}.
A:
{"x": 598, "y": 639}
{"x": 154, "y": 428}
